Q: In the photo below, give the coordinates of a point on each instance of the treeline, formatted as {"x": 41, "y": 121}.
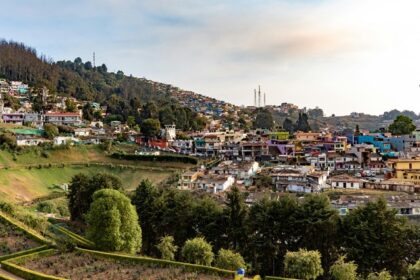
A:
{"x": 266, "y": 231}
{"x": 126, "y": 97}
{"x": 372, "y": 236}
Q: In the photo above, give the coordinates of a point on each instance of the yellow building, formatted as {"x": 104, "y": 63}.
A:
{"x": 405, "y": 169}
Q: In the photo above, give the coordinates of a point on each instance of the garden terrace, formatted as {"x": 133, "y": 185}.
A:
{"x": 78, "y": 265}
{"x": 13, "y": 239}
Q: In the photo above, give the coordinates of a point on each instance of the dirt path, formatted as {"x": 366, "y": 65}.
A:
{"x": 9, "y": 275}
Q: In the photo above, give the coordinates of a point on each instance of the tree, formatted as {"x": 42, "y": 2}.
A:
{"x": 150, "y": 127}
{"x": 357, "y": 130}
{"x": 366, "y": 229}
{"x": 288, "y": 126}
{"x": 88, "y": 112}
{"x": 235, "y": 215}
{"x": 227, "y": 259}
{"x": 263, "y": 181}
{"x": 383, "y": 275}
{"x": 198, "y": 251}
{"x": 264, "y": 119}
{"x": 131, "y": 121}
{"x": 167, "y": 248}
{"x": 318, "y": 227}
{"x": 50, "y": 130}
{"x": 145, "y": 200}
{"x": 402, "y": 125}
{"x": 342, "y": 270}
{"x": 316, "y": 113}
{"x": 82, "y": 188}
{"x": 113, "y": 222}
{"x": 302, "y": 123}
{"x": 414, "y": 271}
{"x": 272, "y": 231}
{"x": 303, "y": 264}
{"x": 70, "y": 105}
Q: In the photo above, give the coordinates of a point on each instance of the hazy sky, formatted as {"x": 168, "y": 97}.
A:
{"x": 344, "y": 56}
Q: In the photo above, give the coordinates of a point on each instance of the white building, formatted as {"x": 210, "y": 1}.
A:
{"x": 215, "y": 184}
{"x": 345, "y": 181}
{"x": 66, "y": 118}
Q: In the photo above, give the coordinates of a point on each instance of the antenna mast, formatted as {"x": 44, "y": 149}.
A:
{"x": 259, "y": 96}
{"x": 94, "y": 63}
{"x": 255, "y": 97}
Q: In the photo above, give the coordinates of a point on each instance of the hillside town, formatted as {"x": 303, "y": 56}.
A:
{"x": 299, "y": 162}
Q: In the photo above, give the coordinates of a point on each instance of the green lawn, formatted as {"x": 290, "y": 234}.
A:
{"x": 22, "y": 184}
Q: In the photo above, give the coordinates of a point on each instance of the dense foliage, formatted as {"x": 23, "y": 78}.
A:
{"x": 167, "y": 248}
{"x": 303, "y": 264}
{"x": 124, "y": 96}
{"x": 264, "y": 232}
{"x": 402, "y": 125}
{"x": 228, "y": 259}
{"x": 198, "y": 251}
{"x": 113, "y": 222}
{"x": 82, "y": 188}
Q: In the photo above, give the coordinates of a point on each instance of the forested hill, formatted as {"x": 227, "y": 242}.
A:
{"x": 124, "y": 95}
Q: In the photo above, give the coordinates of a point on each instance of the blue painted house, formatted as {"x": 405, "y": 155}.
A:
{"x": 381, "y": 142}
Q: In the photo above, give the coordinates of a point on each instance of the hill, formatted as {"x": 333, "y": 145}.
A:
{"x": 28, "y": 175}
{"x": 122, "y": 95}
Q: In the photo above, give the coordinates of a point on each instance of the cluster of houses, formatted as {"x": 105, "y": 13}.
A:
{"x": 305, "y": 162}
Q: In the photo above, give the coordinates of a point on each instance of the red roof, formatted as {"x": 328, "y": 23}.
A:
{"x": 70, "y": 114}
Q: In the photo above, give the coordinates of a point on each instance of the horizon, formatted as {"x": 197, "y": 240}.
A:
{"x": 338, "y": 55}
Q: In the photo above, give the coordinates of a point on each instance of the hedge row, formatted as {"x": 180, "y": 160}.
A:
{"x": 79, "y": 240}
{"x": 163, "y": 263}
{"x": 277, "y": 278}
{"x": 27, "y": 273}
{"x": 22, "y": 253}
{"x": 31, "y": 233}
{"x": 170, "y": 158}
{"x": 4, "y": 277}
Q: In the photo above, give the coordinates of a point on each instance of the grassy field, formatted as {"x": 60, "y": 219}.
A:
{"x": 22, "y": 184}
{"x": 33, "y": 173}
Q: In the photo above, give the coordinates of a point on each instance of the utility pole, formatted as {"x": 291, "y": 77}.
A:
{"x": 94, "y": 63}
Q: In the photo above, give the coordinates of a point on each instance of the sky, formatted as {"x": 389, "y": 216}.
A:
{"x": 343, "y": 55}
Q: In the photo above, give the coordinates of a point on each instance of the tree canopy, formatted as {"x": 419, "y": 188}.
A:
{"x": 82, "y": 188}
{"x": 113, "y": 222}
{"x": 402, "y": 125}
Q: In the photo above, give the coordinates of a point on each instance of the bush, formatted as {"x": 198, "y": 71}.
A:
{"x": 198, "y": 251}
{"x": 228, "y": 259}
{"x": 341, "y": 270}
{"x": 167, "y": 248}
{"x": 303, "y": 264}
{"x": 414, "y": 271}
{"x": 383, "y": 275}
{"x": 46, "y": 207}
{"x": 113, "y": 223}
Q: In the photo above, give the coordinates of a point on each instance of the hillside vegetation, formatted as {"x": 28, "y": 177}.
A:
{"x": 34, "y": 173}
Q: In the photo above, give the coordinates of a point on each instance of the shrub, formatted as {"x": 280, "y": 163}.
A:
{"x": 198, "y": 251}
{"x": 414, "y": 271}
{"x": 383, "y": 275}
{"x": 303, "y": 264}
{"x": 113, "y": 222}
{"x": 341, "y": 270}
{"x": 167, "y": 248}
{"x": 46, "y": 207}
{"x": 230, "y": 260}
